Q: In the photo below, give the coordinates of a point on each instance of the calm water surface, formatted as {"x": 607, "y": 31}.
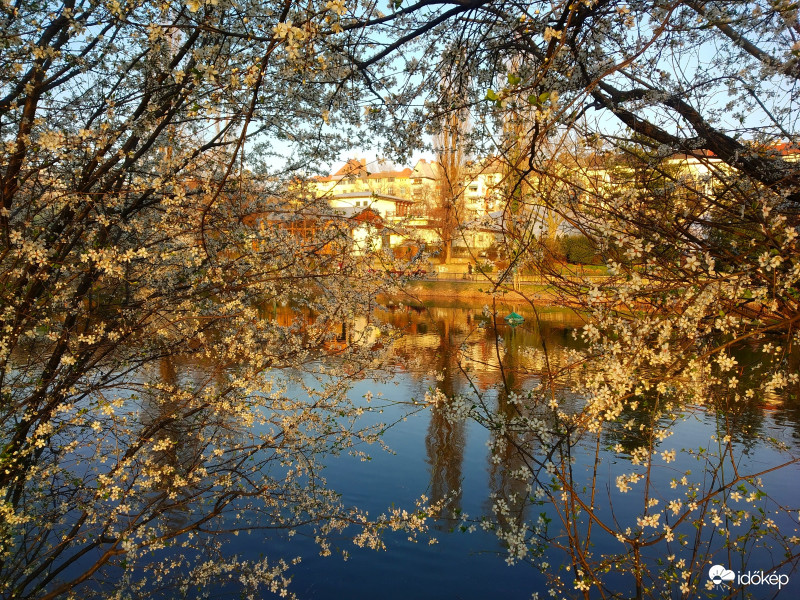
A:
{"x": 437, "y": 458}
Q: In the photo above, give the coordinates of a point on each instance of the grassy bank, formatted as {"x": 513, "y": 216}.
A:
{"x": 471, "y": 292}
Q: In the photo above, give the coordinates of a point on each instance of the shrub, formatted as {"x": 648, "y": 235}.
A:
{"x": 579, "y": 249}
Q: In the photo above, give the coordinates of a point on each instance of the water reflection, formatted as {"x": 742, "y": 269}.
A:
{"x": 471, "y": 351}
{"x": 445, "y": 439}
{"x": 462, "y": 351}
{"x": 477, "y": 355}
{"x": 444, "y": 444}
{"x": 480, "y": 346}
{"x": 168, "y": 406}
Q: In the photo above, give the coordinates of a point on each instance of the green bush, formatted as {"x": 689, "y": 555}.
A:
{"x": 578, "y": 249}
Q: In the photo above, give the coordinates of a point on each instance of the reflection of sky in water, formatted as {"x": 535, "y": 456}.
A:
{"x": 434, "y": 457}
{"x": 459, "y": 565}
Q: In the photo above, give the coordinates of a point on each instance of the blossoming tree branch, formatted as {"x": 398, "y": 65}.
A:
{"x": 152, "y": 221}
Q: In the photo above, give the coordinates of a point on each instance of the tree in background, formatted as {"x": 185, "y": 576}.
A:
{"x": 449, "y": 204}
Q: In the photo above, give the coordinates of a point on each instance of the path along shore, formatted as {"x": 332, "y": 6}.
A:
{"x": 459, "y": 282}
{"x": 475, "y": 292}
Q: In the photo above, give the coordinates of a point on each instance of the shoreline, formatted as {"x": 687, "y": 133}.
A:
{"x": 453, "y": 290}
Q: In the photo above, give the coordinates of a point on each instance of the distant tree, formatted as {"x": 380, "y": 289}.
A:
{"x": 448, "y": 206}
{"x": 580, "y": 250}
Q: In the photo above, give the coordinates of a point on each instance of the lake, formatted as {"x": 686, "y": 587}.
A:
{"x": 438, "y": 457}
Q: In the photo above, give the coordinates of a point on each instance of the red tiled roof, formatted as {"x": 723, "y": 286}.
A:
{"x": 785, "y": 148}
{"x": 383, "y": 174}
{"x": 353, "y": 167}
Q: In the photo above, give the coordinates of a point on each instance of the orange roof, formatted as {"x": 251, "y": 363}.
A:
{"x": 353, "y": 167}
{"x": 369, "y": 216}
{"x": 382, "y": 174}
{"x": 786, "y": 148}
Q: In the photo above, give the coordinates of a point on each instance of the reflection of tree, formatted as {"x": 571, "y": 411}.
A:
{"x": 446, "y": 438}
{"x": 180, "y": 440}
{"x": 549, "y": 469}
{"x": 513, "y": 447}
{"x": 555, "y": 485}
{"x": 740, "y": 412}
{"x": 506, "y": 461}
{"x": 444, "y": 444}
{"x": 567, "y": 461}
{"x": 465, "y": 340}
{"x": 635, "y": 425}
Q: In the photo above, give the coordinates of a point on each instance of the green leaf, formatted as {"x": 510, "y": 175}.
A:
{"x": 492, "y": 95}
{"x": 540, "y": 99}
{"x": 513, "y": 79}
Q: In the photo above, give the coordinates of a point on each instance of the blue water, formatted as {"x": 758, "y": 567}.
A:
{"x": 435, "y": 458}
